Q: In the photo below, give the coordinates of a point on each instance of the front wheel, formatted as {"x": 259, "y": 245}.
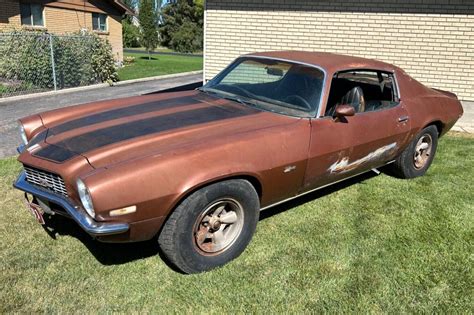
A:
{"x": 415, "y": 160}
{"x": 211, "y": 227}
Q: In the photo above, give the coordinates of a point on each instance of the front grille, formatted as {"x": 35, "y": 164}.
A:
{"x": 46, "y": 180}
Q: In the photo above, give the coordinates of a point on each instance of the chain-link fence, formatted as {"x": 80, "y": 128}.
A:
{"x": 37, "y": 62}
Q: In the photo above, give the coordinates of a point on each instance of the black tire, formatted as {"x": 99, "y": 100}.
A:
{"x": 405, "y": 165}
{"x": 178, "y": 239}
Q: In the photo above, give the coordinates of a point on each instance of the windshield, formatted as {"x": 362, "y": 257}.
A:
{"x": 272, "y": 85}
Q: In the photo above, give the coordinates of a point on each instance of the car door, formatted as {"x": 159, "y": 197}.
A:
{"x": 341, "y": 148}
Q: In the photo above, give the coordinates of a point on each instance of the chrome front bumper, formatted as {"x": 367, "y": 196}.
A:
{"x": 77, "y": 213}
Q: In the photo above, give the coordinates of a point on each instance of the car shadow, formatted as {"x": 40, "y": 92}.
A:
{"x": 121, "y": 253}
{"x": 105, "y": 253}
{"x": 147, "y": 58}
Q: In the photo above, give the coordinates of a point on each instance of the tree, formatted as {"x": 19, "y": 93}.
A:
{"x": 181, "y": 27}
{"x": 148, "y": 20}
{"x": 130, "y": 34}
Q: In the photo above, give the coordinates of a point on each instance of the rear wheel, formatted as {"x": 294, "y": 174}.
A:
{"x": 211, "y": 227}
{"x": 415, "y": 160}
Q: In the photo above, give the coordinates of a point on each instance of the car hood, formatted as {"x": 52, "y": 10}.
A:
{"x": 107, "y": 133}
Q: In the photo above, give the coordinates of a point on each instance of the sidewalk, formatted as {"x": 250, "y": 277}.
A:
{"x": 17, "y": 107}
{"x": 466, "y": 123}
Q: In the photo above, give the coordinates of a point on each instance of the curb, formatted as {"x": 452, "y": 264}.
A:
{"x": 58, "y": 92}
{"x": 96, "y": 86}
{"x": 166, "y": 76}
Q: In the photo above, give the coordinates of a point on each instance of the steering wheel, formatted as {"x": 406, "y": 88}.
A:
{"x": 297, "y": 100}
{"x": 233, "y": 89}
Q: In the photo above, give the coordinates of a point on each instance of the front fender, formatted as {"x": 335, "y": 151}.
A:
{"x": 155, "y": 184}
{"x": 33, "y": 125}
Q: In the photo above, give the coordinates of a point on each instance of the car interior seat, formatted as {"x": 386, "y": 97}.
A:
{"x": 354, "y": 98}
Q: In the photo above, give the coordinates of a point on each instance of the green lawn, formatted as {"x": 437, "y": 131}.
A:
{"x": 379, "y": 245}
{"x": 159, "y": 65}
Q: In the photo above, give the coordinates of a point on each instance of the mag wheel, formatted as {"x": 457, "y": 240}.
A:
{"x": 218, "y": 226}
{"x": 422, "y": 153}
{"x": 211, "y": 227}
{"x": 415, "y": 160}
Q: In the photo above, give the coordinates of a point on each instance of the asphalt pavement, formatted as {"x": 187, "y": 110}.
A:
{"x": 12, "y": 110}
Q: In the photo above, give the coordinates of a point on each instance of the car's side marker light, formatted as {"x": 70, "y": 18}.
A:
{"x": 123, "y": 211}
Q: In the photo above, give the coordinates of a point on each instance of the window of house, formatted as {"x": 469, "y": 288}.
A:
{"x": 366, "y": 90}
{"x": 99, "y": 22}
{"x": 31, "y": 14}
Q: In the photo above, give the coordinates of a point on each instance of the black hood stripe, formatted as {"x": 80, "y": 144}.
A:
{"x": 102, "y": 137}
{"x": 55, "y": 153}
{"x": 126, "y": 112}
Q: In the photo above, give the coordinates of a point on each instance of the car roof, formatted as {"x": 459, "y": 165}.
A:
{"x": 328, "y": 61}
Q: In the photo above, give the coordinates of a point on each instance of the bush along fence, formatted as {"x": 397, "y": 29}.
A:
{"x": 34, "y": 62}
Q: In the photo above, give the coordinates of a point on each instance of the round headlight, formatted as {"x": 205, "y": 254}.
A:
{"x": 23, "y": 134}
{"x": 86, "y": 198}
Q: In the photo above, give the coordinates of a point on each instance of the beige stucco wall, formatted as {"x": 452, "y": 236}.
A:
{"x": 64, "y": 21}
{"x": 433, "y": 40}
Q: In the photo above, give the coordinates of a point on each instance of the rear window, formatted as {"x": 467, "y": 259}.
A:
{"x": 254, "y": 72}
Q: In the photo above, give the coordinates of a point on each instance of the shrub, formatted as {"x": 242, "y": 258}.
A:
{"x": 103, "y": 63}
{"x": 26, "y": 59}
{"x": 128, "y": 60}
{"x": 70, "y": 54}
{"x": 79, "y": 59}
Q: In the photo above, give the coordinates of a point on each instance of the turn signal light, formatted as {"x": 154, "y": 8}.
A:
{"x": 123, "y": 211}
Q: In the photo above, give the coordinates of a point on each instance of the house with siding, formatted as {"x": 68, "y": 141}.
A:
{"x": 433, "y": 40}
{"x": 102, "y": 17}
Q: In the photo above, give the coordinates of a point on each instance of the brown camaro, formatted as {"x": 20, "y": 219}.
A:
{"x": 195, "y": 168}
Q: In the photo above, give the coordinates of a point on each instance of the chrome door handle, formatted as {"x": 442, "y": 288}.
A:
{"x": 403, "y": 118}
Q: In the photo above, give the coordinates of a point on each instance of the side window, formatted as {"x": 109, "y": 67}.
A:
{"x": 251, "y": 72}
{"x": 365, "y": 90}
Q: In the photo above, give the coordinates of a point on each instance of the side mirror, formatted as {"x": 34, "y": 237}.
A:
{"x": 344, "y": 110}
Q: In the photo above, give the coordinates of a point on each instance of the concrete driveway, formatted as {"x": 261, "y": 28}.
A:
{"x": 12, "y": 110}
{"x": 466, "y": 123}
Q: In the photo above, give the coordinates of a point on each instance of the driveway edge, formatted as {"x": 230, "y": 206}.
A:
{"x": 166, "y": 76}
{"x": 96, "y": 86}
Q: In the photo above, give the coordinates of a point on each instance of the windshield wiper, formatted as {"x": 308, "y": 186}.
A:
{"x": 224, "y": 95}
{"x": 208, "y": 91}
